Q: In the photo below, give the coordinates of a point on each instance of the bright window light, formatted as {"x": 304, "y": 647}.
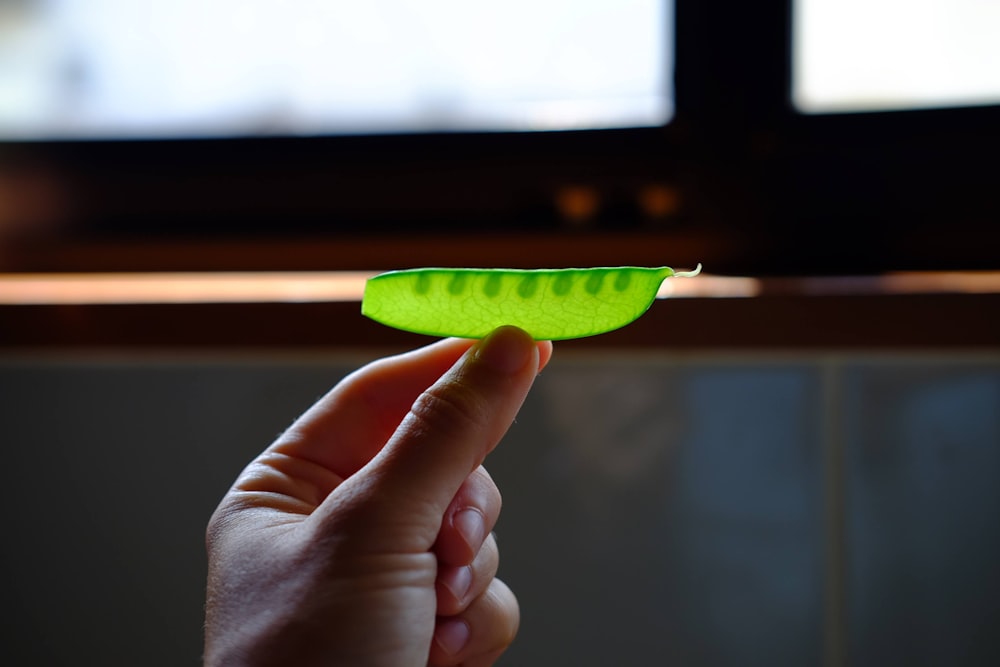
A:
{"x": 165, "y": 68}
{"x": 873, "y": 55}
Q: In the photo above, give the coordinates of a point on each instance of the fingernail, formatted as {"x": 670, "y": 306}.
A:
{"x": 506, "y": 350}
{"x": 471, "y": 525}
{"x": 452, "y": 635}
{"x": 458, "y": 582}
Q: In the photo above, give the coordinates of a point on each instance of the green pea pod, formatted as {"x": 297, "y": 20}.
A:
{"x": 550, "y": 304}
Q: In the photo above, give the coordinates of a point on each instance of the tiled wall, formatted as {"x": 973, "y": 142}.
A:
{"x": 818, "y": 509}
{"x": 922, "y": 476}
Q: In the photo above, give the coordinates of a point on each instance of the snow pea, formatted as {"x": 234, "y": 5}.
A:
{"x": 550, "y": 304}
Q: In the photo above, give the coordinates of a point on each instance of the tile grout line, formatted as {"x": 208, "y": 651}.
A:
{"x": 835, "y": 621}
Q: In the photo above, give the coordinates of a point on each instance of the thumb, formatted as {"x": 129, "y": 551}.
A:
{"x": 401, "y": 495}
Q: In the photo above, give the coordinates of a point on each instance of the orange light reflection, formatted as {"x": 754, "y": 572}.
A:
{"x": 151, "y": 288}
{"x": 328, "y": 286}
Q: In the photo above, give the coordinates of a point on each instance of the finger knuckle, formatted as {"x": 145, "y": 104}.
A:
{"x": 450, "y": 409}
{"x": 508, "y": 614}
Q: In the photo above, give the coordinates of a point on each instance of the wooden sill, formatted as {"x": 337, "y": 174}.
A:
{"x": 781, "y": 321}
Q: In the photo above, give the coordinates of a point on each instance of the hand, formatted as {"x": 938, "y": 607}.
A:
{"x": 363, "y": 535}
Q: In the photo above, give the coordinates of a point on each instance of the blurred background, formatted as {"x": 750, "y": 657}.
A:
{"x": 793, "y": 459}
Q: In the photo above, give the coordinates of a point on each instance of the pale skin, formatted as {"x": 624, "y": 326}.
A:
{"x": 363, "y": 535}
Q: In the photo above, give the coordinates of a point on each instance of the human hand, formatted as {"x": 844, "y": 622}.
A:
{"x": 362, "y": 536}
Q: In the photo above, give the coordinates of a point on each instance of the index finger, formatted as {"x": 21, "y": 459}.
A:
{"x": 348, "y": 426}
{"x": 447, "y": 432}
